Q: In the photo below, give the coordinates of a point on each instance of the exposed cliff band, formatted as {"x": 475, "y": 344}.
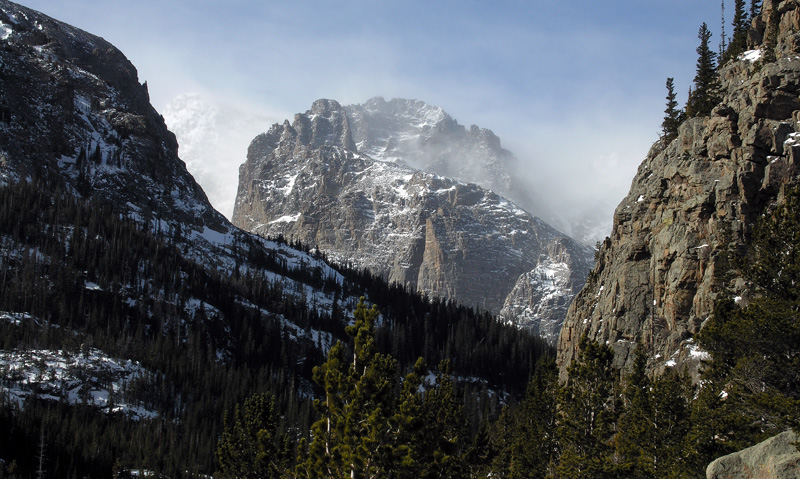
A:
{"x": 692, "y": 203}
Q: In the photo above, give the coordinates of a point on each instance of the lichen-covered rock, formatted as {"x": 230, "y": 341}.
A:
{"x": 775, "y": 458}
{"x": 692, "y": 204}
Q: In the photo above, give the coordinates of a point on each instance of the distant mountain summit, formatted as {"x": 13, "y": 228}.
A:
{"x": 425, "y": 137}
{"x": 313, "y": 180}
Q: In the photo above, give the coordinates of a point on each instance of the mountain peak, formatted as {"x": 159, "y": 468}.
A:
{"x": 432, "y": 233}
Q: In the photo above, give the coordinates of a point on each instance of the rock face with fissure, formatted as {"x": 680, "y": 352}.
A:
{"x": 308, "y": 180}
{"x": 692, "y": 204}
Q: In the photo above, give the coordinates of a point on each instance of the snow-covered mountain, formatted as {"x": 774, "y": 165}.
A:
{"x": 425, "y": 137}
{"x": 312, "y": 180}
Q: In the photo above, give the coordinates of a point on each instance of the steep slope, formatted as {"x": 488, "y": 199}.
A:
{"x": 72, "y": 107}
{"x": 309, "y": 181}
{"x": 131, "y": 309}
{"x": 691, "y": 209}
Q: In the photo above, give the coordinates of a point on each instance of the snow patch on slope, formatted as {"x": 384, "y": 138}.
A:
{"x": 54, "y": 375}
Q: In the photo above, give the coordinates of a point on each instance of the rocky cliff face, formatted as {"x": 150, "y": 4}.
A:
{"x": 72, "y": 108}
{"x": 310, "y": 180}
{"x": 692, "y": 203}
{"x": 73, "y": 115}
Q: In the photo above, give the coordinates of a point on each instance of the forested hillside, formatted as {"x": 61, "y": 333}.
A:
{"x": 89, "y": 279}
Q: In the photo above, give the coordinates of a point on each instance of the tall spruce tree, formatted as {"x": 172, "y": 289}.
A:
{"x": 751, "y": 386}
{"x": 250, "y": 447}
{"x": 588, "y": 412}
{"x": 533, "y": 446}
{"x": 444, "y": 432}
{"x": 355, "y": 435}
{"x": 705, "y": 95}
{"x": 755, "y": 8}
{"x": 738, "y": 43}
{"x": 672, "y": 116}
{"x": 722, "y": 46}
{"x": 654, "y": 423}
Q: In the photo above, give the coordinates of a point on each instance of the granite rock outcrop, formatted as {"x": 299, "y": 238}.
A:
{"x": 775, "y": 458}
{"x": 691, "y": 207}
{"x": 309, "y": 180}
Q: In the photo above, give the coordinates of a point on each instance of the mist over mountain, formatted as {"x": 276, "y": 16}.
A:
{"x": 312, "y": 180}
{"x": 143, "y": 334}
{"x": 213, "y": 138}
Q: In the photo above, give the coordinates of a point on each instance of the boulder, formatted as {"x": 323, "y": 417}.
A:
{"x": 775, "y": 458}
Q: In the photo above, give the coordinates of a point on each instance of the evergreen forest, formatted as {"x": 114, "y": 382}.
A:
{"x": 246, "y": 378}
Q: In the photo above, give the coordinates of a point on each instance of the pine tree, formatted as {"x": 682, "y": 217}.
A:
{"x": 533, "y": 446}
{"x": 672, "y": 116}
{"x": 588, "y": 411}
{"x": 706, "y": 92}
{"x": 356, "y": 435}
{"x": 444, "y": 430}
{"x": 751, "y": 387}
{"x": 755, "y": 8}
{"x": 250, "y": 447}
{"x": 738, "y": 43}
{"x": 722, "y": 40}
{"x": 654, "y": 423}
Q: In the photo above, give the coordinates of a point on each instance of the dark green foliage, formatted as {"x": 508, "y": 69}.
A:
{"x": 53, "y": 244}
{"x": 371, "y": 426}
{"x": 357, "y": 429}
{"x": 773, "y": 260}
{"x": 672, "y": 116}
{"x": 250, "y": 447}
{"x": 654, "y": 423}
{"x": 588, "y": 412}
{"x": 740, "y": 28}
{"x": 740, "y": 23}
{"x": 705, "y": 95}
{"x": 752, "y": 385}
{"x": 444, "y": 433}
{"x": 533, "y": 448}
{"x": 755, "y": 8}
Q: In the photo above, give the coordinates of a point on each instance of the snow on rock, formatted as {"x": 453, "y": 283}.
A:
{"x": 432, "y": 233}
{"x": 5, "y": 31}
{"x": 751, "y": 55}
{"x": 90, "y": 377}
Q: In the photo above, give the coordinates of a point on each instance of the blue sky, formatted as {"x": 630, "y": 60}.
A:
{"x": 574, "y": 88}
